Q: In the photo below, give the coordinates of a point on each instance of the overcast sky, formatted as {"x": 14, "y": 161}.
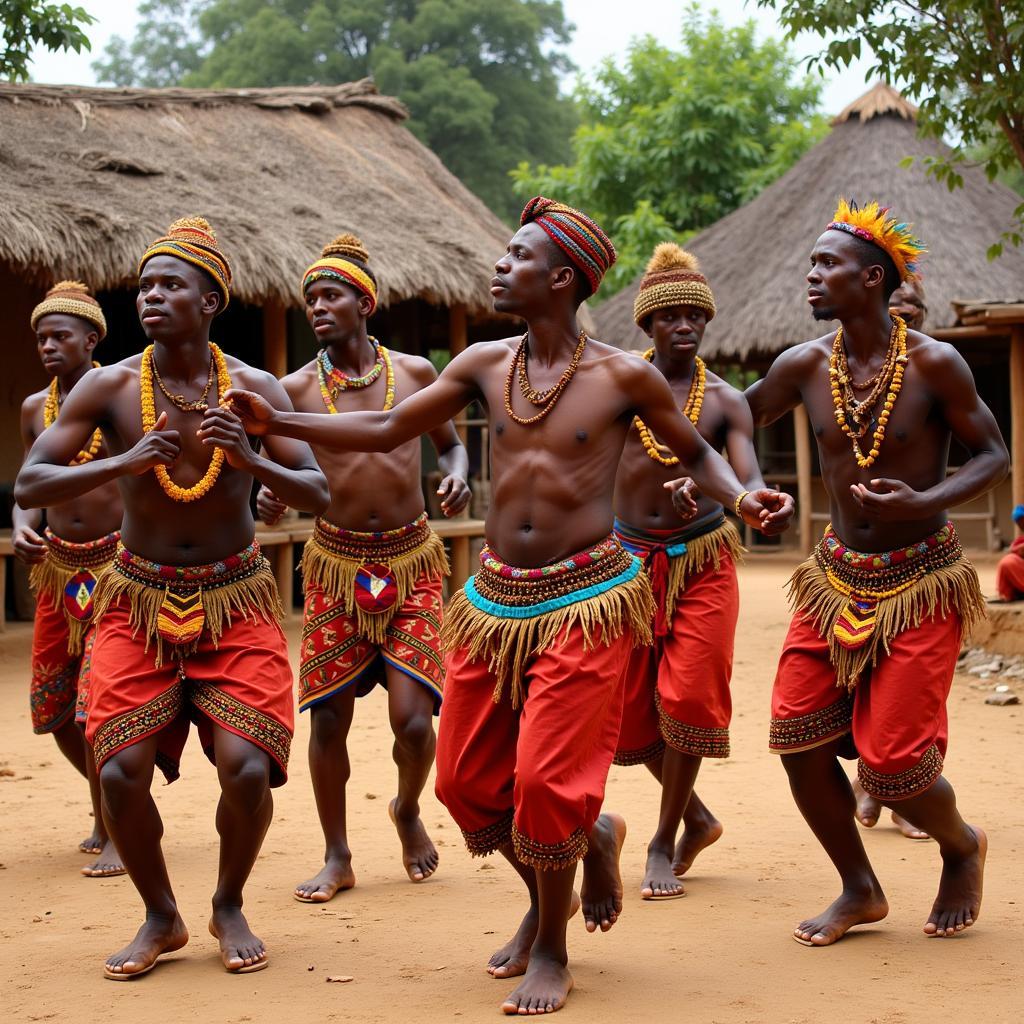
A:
{"x": 603, "y": 28}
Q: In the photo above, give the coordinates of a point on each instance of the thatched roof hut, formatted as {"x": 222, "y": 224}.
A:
{"x": 90, "y": 176}
{"x": 756, "y": 257}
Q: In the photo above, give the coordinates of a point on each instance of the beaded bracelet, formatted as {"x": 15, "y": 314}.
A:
{"x": 739, "y": 501}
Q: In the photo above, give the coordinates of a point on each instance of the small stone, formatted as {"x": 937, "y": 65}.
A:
{"x": 1001, "y": 700}
{"x": 311, "y": 967}
{"x": 1002, "y": 688}
{"x": 341, "y": 979}
{"x": 37, "y": 919}
{"x": 371, "y": 796}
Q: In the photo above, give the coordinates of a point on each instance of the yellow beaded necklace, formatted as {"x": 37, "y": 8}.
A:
{"x": 201, "y": 487}
{"x": 323, "y": 378}
{"x": 839, "y": 379}
{"x": 51, "y": 410}
{"x": 691, "y": 410}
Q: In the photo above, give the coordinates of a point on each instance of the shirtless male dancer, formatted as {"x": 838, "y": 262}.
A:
{"x": 882, "y": 604}
{"x": 907, "y": 302}
{"x": 186, "y": 623}
{"x": 677, "y": 704}
{"x": 539, "y": 638}
{"x": 79, "y": 538}
{"x": 372, "y": 569}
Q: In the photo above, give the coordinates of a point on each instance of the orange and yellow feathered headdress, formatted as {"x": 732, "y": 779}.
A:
{"x": 893, "y": 237}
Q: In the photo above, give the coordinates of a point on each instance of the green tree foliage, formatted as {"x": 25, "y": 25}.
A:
{"x": 961, "y": 60}
{"x": 674, "y": 140}
{"x": 480, "y": 78}
{"x": 27, "y": 23}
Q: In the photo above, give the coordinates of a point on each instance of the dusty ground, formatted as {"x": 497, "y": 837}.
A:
{"x": 417, "y": 953}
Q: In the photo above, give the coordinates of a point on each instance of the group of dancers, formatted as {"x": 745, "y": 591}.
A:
{"x": 599, "y": 627}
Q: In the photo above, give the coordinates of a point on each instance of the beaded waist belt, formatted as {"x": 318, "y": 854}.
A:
{"x": 381, "y": 545}
{"x": 174, "y": 603}
{"x": 509, "y": 592}
{"x": 866, "y": 578}
{"x": 68, "y": 576}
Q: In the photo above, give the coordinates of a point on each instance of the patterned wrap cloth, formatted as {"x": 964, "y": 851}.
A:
{"x": 871, "y": 650}
{"x": 218, "y": 658}
{"x": 530, "y": 768}
{"x": 371, "y": 599}
{"x": 677, "y": 691}
{"x": 63, "y": 583}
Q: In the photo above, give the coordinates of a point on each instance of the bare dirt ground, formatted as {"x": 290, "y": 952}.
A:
{"x": 723, "y": 954}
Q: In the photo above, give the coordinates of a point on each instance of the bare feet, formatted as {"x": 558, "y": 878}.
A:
{"x": 544, "y": 988}
{"x": 910, "y": 831}
{"x": 513, "y": 958}
{"x": 602, "y": 883}
{"x": 958, "y": 903}
{"x": 419, "y": 854}
{"x": 241, "y": 951}
{"x": 692, "y": 841}
{"x": 158, "y": 935}
{"x": 849, "y": 910}
{"x": 334, "y": 877}
{"x": 93, "y": 843}
{"x": 868, "y": 808}
{"x": 659, "y": 881}
{"x": 107, "y": 865}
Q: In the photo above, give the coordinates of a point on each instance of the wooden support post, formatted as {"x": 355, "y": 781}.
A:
{"x": 1017, "y": 413}
{"x": 460, "y": 563}
{"x": 275, "y": 338}
{"x": 456, "y": 346}
{"x": 285, "y": 573}
{"x": 804, "y": 492}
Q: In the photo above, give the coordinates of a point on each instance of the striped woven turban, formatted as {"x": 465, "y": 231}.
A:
{"x": 672, "y": 278}
{"x": 344, "y": 260}
{"x": 73, "y": 298}
{"x": 579, "y": 237}
{"x": 193, "y": 240}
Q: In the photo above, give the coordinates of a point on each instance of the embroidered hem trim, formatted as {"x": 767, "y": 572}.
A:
{"x": 332, "y": 558}
{"x": 696, "y": 552}
{"x": 901, "y": 593}
{"x": 791, "y": 735}
{"x": 242, "y": 585}
{"x": 549, "y": 856}
{"x": 486, "y": 840}
{"x": 254, "y": 725}
{"x": 64, "y": 560}
{"x": 627, "y": 758}
{"x": 609, "y": 594}
{"x": 137, "y": 724}
{"x": 905, "y": 784}
{"x": 691, "y": 739}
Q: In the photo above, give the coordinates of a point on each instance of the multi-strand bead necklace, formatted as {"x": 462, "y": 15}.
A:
{"x": 544, "y": 400}
{"x": 888, "y": 381}
{"x": 51, "y": 410}
{"x": 333, "y": 381}
{"x": 691, "y": 410}
{"x": 148, "y": 400}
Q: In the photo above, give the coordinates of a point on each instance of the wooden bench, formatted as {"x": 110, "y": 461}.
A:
{"x": 279, "y": 542}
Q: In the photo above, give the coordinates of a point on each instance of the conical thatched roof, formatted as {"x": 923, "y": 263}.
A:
{"x": 756, "y": 257}
{"x": 88, "y": 177}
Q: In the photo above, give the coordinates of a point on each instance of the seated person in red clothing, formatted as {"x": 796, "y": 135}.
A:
{"x": 1010, "y": 573}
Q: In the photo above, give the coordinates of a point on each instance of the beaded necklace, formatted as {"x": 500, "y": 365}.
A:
{"x": 147, "y": 399}
{"x": 328, "y": 375}
{"x": 691, "y": 410}
{"x": 889, "y": 382}
{"x": 545, "y": 400}
{"x": 198, "y": 405}
{"x": 51, "y": 410}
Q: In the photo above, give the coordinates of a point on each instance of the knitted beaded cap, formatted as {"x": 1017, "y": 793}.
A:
{"x": 892, "y": 236}
{"x": 579, "y": 237}
{"x": 336, "y": 262}
{"x": 672, "y": 278}
{"x": 73, "y": 298}
{"x": 193, "y": 240}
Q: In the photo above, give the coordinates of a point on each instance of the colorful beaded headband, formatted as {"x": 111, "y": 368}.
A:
{"x": 336, "y": 263}
{"x": 576, "y": 234}
{"x": 891, "y": 236}
{"x": 193, "y": 240}
{"x": 72, "y": 298}
{"x": 672, "y": 278}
